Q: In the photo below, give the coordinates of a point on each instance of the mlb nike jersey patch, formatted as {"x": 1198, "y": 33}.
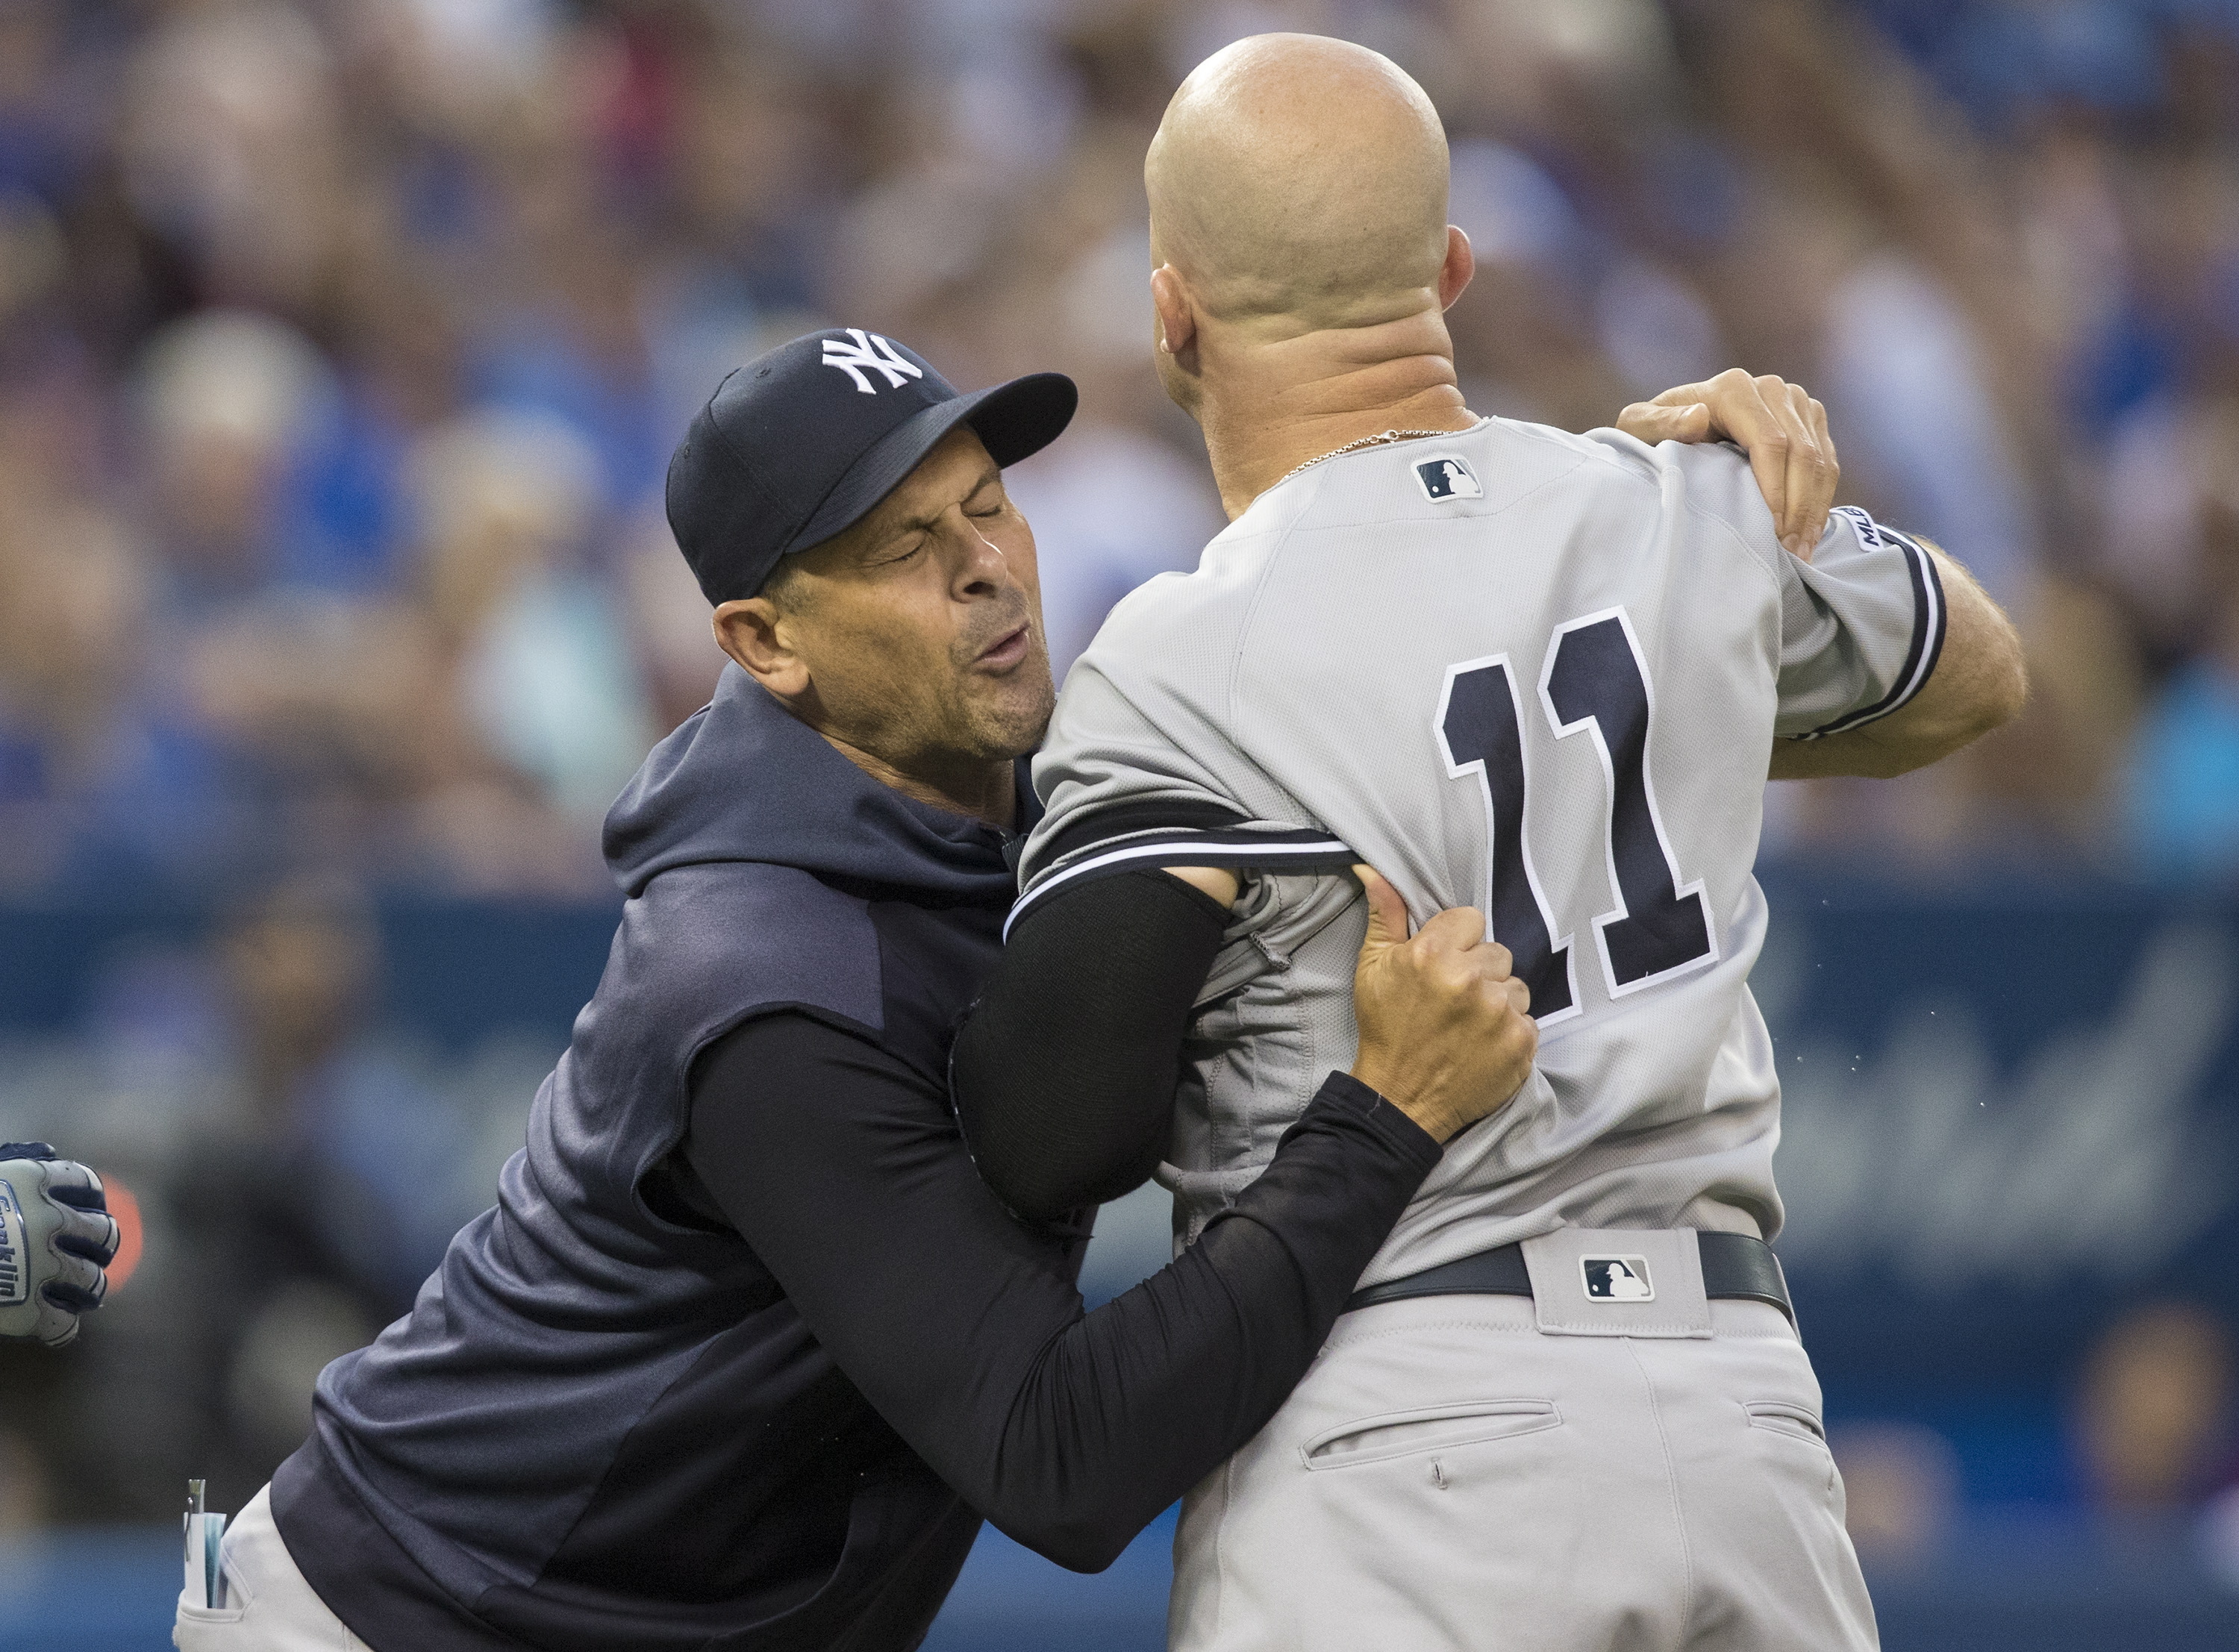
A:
{"x": 1445, "y": 476}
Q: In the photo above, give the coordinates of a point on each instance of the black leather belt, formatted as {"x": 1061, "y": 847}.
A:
{"x": 1736, "y": 1268}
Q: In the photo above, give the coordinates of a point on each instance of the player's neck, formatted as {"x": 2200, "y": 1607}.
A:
{"x": 981, "y": 788}
{"x": 1269, "y": 405}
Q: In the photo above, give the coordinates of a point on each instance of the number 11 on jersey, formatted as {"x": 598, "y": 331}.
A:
{"x": 1595, "y": 684}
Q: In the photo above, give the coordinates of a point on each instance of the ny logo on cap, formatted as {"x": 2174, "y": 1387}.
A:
{"x": 1616, "y": 1279}
{"x": 871, "y": 351}
{"x": 1443, "y": 476}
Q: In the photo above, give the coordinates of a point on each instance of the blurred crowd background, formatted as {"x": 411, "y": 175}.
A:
{"x": 342, "y": 347}
{"x": 344, "y": 342}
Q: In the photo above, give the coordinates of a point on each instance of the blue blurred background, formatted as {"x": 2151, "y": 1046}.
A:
{"x": 343, "y": 343}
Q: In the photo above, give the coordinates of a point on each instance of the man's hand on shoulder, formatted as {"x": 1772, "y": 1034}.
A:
{"x": 1777, "y": 424}
{"x": 55, "y": 1238}
{"x": 1979, "y": 681}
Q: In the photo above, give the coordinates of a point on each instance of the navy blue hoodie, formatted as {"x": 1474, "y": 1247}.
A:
{"x": 605, "y": 1421}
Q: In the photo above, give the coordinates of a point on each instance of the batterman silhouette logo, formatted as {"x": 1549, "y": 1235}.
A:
{"x": 870, "y": 352}
{"x": 1444, "y": 475}
{"x": 14, "y": 1266}
{"x": 1616, "y": 1279}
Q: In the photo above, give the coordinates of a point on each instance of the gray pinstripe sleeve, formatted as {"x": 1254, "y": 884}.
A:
{"x": 1121, "y": 794}
{"x": 1861, "y": 625}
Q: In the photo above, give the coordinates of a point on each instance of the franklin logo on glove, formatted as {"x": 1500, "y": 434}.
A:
{"x": 55, "y": 1238}
{"x": 15, "y": 1281}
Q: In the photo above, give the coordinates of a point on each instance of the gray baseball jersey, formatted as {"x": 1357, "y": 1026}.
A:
{"x": 1513, "y": 668}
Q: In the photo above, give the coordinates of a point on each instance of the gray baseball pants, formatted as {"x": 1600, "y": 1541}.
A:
{"x": 1452, "y": 1478}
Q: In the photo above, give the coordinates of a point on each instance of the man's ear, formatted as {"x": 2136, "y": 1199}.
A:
{"x": 1460, "y": 265}
{"x": 1170, "y": 297}
{"x": 754, "y": 633}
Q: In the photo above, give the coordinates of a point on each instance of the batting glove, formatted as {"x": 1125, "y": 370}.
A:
{"x": 55, "y": 1238}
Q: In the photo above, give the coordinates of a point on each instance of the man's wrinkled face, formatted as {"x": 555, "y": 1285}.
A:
{"x": 921, "y": 627}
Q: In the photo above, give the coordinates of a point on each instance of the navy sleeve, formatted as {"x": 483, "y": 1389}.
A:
{"x": 1064, "y": 1073}
{"x": 841, "y": 1166}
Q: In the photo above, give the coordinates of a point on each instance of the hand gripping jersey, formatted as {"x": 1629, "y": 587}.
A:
{"x": 1511, "y": 668}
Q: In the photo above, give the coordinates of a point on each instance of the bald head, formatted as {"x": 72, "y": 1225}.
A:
{"x": 1301, "y": 179}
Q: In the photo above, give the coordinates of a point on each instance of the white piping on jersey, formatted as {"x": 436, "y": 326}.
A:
{"x": 1191, "y": 852}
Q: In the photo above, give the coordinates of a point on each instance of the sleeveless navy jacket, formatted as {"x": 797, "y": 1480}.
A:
{"x": 598, "y": 1427}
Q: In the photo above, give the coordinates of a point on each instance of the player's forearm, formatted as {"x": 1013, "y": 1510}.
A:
{"x": 1137, "y": 1402}
{"x": 836, "y": 1161}
{"x": 1979, "y": 682}
{"x": 1064, "y": 1076}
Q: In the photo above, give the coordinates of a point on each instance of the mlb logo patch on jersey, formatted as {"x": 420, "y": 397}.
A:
{"x": 1445, "y": 475}
{"x": 14, "y": 1266}
{"x": 1869, "y": 533}
{"x": 1616, "y": 1279}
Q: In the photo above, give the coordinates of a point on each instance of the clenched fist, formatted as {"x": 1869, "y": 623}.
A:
{"x": 1446, "y": 1034}
{"x": 55, "y": 1238}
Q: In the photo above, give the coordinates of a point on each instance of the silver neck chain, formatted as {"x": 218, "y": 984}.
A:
{"x": 1375, "y": 440}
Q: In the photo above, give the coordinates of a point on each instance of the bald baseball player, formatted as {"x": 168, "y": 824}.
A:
{"x": 1543, "y": 674}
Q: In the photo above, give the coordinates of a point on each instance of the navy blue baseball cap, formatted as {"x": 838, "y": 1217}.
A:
{"x": 800, "y": 443}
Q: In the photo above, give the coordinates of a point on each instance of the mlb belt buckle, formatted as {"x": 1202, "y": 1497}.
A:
{"x": 1731, "y": 1267}
{"x": 1618, "y": 1281}
{"x": 1617, "y": 1278}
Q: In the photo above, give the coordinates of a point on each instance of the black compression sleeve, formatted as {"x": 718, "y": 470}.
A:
{"x": 839, "y": 1164}
{"x": 1064, "y": 1076}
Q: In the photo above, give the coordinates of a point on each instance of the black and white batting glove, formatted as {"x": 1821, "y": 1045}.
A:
{"x": 55, "y": 1237}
